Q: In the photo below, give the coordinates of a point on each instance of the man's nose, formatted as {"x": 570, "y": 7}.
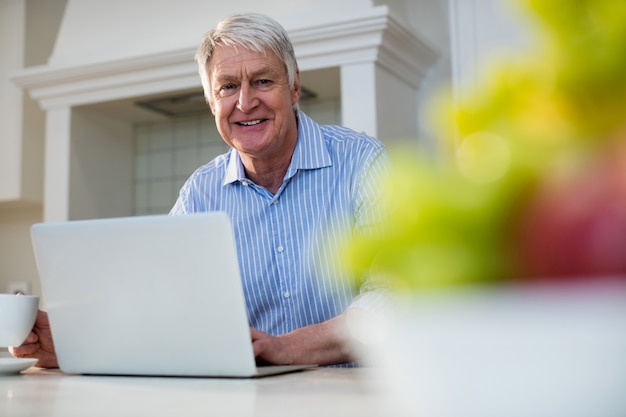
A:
{"x": 247, "y": 98}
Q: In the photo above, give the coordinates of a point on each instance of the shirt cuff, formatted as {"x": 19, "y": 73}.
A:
{"x": 377, "y": 301}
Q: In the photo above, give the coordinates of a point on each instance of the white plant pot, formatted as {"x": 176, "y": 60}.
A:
{"x": 551, "y": 351}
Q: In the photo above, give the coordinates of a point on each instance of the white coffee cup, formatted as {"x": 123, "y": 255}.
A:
{"x": 17, "y": 317}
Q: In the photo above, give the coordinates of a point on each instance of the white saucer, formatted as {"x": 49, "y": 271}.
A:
{"x": 9, "y": 366}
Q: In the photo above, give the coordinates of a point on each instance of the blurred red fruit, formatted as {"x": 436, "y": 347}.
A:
{"x": 574, "y": 226}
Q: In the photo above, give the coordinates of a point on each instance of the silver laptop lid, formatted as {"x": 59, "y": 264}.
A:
{"x": 147, "y": 295}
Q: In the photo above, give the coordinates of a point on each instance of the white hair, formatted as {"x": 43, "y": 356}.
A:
{"x": 252, "y": 31}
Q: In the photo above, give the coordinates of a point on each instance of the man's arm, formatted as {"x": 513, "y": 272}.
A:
{"x": 335, "y": 341}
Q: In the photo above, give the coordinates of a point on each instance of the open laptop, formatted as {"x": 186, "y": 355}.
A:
{"x": 147, "y": 295}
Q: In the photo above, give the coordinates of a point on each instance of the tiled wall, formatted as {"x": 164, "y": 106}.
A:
{"x": 167, "y": 152}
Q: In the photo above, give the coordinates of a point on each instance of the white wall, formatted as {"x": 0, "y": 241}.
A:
{"x": 86, "y": 34}
{"x": 16, "y": 256}
{"x": 27, "y": 32}
{"x": 398, "y": 110}
{"x": 430, "y": 19}
{"x": 12, "y": 28}
{"x": 481, "y": 31}
{"x": 166, "y": 153}
{"x": 101, "y": 168}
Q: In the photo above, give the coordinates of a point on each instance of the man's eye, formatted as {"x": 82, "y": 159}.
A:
{"x": 264, "y": 82}
{"x": 227, "y": 89}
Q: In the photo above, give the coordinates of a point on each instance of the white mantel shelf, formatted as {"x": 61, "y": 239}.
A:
{"x": 373, "y": 35}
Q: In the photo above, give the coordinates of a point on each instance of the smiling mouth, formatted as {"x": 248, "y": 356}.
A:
{"x": 250, "y": 123}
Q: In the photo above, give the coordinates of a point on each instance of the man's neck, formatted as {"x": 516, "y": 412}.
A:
{"x": 268, "y": 173}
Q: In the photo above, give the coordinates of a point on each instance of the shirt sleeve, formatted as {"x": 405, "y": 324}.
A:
{"x": 374, "y": 295}
{"x": 178, "y": 208}
{"x": 182, "y": 202}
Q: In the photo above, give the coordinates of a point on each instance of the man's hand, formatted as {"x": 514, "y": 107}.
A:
{"x": 38, "y": 344}
{"x": 320, "y": 344}
{"x": 268, "y": 349}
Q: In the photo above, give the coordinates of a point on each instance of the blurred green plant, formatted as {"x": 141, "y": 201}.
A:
{"x": 543, "y": 114}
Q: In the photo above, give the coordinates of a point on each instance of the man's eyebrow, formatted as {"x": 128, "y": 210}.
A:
{"x": 227, "y": 78}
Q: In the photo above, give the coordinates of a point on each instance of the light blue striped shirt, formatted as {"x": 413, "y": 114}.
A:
{"x": 288, "y": 242}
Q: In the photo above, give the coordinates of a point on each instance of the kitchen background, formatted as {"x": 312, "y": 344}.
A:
{"x": 100, "y": 114}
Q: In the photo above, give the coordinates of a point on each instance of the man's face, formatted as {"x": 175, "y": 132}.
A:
{"x": 252, "y": 101}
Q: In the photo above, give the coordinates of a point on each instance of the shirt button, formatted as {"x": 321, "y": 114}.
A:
{"x": 245, "y": 183}
{"x": 286, "y": 294}
{"x": 280, "y": 248}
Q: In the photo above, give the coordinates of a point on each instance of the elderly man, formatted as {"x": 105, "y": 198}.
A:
{"x": 293, "y": 189}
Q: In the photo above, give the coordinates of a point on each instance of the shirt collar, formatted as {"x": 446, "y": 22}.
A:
{"x": 311, "y": 151}
{"x": 234, "y": 168}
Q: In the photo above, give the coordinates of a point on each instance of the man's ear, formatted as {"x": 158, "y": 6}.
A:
{"x": 295, "y": 93}
{"x": 206, "y": 89}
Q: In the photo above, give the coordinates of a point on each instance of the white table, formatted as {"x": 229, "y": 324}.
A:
{"x": 320, "y": 392}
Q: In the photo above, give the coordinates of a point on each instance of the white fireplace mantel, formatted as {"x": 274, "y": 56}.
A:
{"x": 370, "y": 36}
